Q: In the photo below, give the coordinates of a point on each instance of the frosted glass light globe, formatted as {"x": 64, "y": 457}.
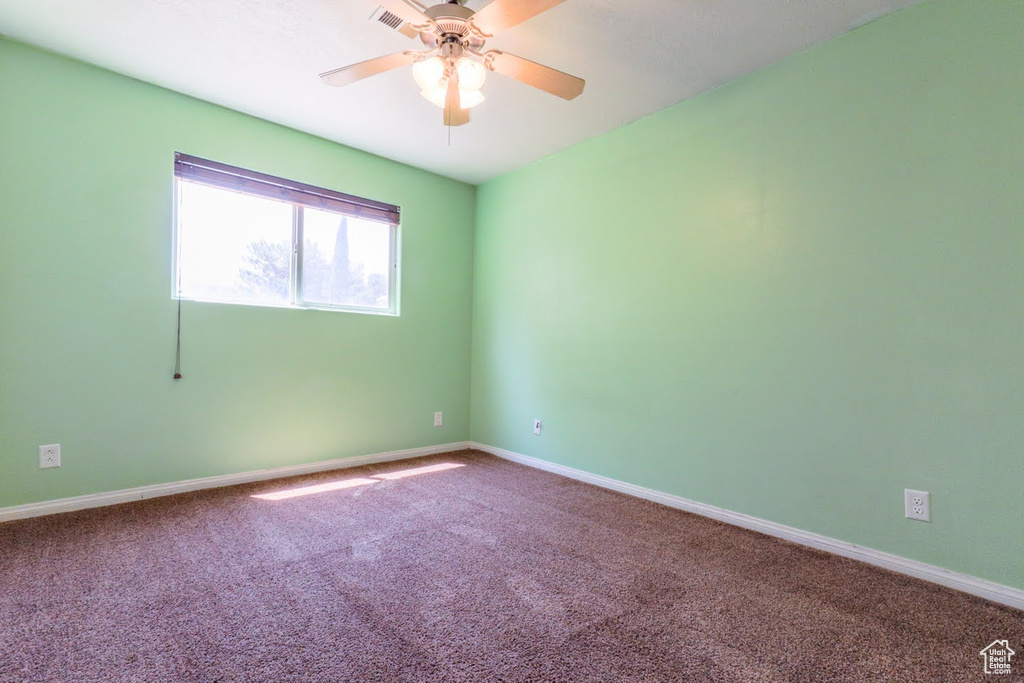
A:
{"x": 471, "y": 74}
{"x": 435, "y": 95}
{"x": 429, "y": 73}
{"x": 470, "y": 98}
{"x": 467, "y": 98}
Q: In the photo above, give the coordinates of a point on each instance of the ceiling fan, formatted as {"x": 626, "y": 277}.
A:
{"x": 452, "y": 68}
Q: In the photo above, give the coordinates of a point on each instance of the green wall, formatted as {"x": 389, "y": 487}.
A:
{"x": 792, "y": 297}
{"x": 87, "y": 322}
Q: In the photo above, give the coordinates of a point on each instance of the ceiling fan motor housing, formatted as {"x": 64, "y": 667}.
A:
{"x": 451, "y": 24}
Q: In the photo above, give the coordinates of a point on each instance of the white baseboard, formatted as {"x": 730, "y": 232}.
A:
{"x": 1005, "y": 595}
{"x": 127, "y": 495}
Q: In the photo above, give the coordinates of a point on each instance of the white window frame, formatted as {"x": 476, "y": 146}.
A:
{"x": 298, "y": 204}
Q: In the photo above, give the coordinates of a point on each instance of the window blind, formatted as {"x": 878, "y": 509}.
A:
{"x": 192, "y": 168}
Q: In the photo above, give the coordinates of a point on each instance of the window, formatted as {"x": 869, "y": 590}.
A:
{"x": 249, "y": 238}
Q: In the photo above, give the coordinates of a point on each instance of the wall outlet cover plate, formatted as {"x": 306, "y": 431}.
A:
{"x": 917, "y": 505}
{"x": 49, "y": 456}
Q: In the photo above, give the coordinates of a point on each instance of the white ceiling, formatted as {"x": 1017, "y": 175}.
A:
{"x": 263, "y": 57}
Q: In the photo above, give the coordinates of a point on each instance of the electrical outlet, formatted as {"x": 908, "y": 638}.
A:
{"x": 49, "y": 456}
{"x": 536, "y": 427}
{"x": 438, "y": 419}
{"x": 917, "y": 505}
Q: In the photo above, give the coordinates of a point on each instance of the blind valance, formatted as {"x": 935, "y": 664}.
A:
{"x": 188, "y": 167}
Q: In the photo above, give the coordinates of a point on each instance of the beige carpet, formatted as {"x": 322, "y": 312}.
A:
{"x": 487, "y": 571}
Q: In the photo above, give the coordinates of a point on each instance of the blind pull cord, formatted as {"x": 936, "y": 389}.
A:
{"x": 177, "y": 345}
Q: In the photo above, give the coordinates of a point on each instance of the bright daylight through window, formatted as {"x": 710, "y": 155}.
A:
{"x": 249, "y": 238}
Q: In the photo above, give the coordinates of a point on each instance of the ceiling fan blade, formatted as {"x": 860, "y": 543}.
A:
{"x": 406, "y": 11}
{"x": 503, "y": 14}
{"x": 531, "y": 73}
{"x": 454, "y": 114}
{"x": 371, "y": 67}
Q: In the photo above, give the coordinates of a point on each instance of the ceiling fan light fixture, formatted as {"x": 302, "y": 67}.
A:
{"x": 429, "y": 74}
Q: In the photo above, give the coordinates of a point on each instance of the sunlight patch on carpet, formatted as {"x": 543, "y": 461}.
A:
{"x": 285, "y": 494}
{"x": 402, "y": 474}
{"x": 298, "y": 491}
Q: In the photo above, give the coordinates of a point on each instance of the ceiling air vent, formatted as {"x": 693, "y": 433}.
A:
{"x": 392, "y": 21}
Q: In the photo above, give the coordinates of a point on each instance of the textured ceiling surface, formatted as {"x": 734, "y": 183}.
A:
{"x": 263, "y": 57}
